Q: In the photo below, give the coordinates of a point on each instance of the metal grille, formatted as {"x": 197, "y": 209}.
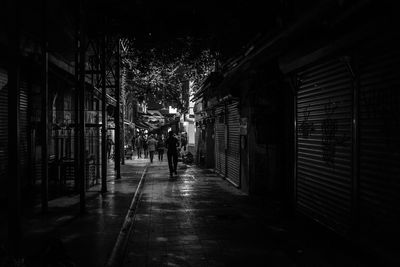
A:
{"x": 379, "y": 142}
{"x": 24, "y": 130}
{"x": 324, "y": 150}
{"x": 233, "y": 151}
{"x": 3, "y": 126}
{"x": 23, "y": 126}
{"x": 220, "y": 141}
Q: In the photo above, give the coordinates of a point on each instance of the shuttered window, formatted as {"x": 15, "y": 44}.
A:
{"x": 3, "y": 127}
{"x": 324, "y": 144}
{"x": 220, "y": 129}
{"x": 379, "y": 141}
{"x": 23, "y": 127}
{"x": 233, "y": 151}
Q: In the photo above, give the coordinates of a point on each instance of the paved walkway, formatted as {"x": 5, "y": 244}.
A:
{"x": 198, "y": 219}
{"x": 84, "y": 240}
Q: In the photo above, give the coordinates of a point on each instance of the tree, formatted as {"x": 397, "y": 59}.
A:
{"x": 157, "y": 71}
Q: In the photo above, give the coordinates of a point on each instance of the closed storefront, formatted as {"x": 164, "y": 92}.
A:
{"x": 379, "y": 122}
{"x": 3, "y": 127}
{"x": 233, "y": 149}
{"x": 348, "y": 142}
{"x": 324, "y": 144}
{"x": 210, "y": 144}
{"x": 220, "y": 141}
{"x": 24, "y": 131}
{"x": 23, "y": 127}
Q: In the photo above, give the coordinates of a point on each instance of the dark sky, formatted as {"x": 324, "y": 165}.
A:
{"x": 222, "y": 25}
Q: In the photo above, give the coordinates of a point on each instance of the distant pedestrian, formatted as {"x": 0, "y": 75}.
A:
{"x": 184, "y": 141}
{"x": 172, "y": 153}
{"x": 133, "y": 143}
{"x": 110, "y": 144}
{"x": 152, "y": 147}
{"x": 138, "y": 144}
{"x": 145, "y": 147}
{"x": 160, "y": 148}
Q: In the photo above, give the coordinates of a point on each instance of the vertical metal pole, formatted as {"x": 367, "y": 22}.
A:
{"x": 226, "y": 138}
{"x": 295, "y": 86}
{"x": 117, "y": 156}
{"x": 76, "y": 107}
{"x": 81, "y": 92}
{"x": 103, "y": 117}
{"x": 14, "y": 233}
{"x": 352, "y": 68}
{"x": 123, "y": 129}
{"x": 123, "y": 114}
{"x": 45, "y": 116}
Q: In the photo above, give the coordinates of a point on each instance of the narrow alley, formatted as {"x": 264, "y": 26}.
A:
{"x": 199, "y": 133}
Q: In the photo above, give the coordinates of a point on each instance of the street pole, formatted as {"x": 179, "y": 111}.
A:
{"x": 81, "y": 93}
{"x": 14, "y": 233}
{"x": 123, "y": 128}
{"x": 76, "y": 107}
{"x": 104, "y": 117}
{"x": 117, "y": 154}
{"x": 45, "y": 115}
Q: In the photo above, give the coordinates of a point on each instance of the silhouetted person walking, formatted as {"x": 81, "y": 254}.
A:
{"x": 160, "y": 148}
{"x": 152, "y": 147}
{"x": 145, "y": 147}
{"x": 184, "y": 141}
{"x": 139, "y": 146}
{"x": 172, "y": 153}
{"x": 110, "y": 144}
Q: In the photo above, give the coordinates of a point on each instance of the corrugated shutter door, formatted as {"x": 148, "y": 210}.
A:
{"x": 220, "y": 141}
{"x": 3, "y": 126}
{"x": 233, "y": 151}
{"x": 380, "y": 141}
{"x": 23, "y": 124}
{"x": 324, "y": 150}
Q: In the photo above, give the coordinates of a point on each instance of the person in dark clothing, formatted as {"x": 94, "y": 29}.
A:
{"x": 145, "y": 147}
{"x": 184, "y": 141}
{"x": 172, "y": 154}
{"x": 139, "y": 146}
{"x": 133, "y": 143}
{"x": 110, "y": 143}
{"x": 152, "y": 143}
{"x": 160, "y": 148}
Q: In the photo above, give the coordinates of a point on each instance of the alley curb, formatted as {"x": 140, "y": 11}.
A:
{"x": 116, "y": 257}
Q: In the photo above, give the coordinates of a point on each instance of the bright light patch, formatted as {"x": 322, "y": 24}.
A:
{"x": 172, "y": 110}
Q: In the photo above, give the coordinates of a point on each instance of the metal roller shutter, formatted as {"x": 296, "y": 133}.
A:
{"x": 23, "y": 124}
{"x": 3, "y": 126}
{"x": 324, "y": 150}
{"x": 233, "y": 151}
{"x": 24, "y": 130}
{"x": 379, "y": 141}
{"x": 220, "y": 141}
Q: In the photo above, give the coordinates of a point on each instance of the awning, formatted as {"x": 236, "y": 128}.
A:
{"x": 141, "y": 125}
{"x": 212, "y": 80}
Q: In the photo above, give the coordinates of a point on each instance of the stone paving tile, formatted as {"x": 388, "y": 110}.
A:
{"x": 87, "y": 239}
{"x": 198, "y": 219}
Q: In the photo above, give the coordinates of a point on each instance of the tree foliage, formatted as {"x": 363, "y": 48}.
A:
{"x": 158, "y": 71}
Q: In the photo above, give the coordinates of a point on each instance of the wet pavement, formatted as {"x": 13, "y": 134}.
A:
{"x": 82, "y": 239}
{"x": 195, "y": 218}
{"x": 198, "y": 219}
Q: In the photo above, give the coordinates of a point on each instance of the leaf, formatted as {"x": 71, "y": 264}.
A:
{"x": 159, "y": 71}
